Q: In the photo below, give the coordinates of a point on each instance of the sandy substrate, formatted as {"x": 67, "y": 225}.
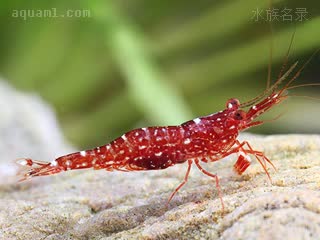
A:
{"x": 92, "y": 204}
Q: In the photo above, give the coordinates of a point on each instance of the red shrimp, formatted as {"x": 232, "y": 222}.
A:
{"x": 201, "y": 140}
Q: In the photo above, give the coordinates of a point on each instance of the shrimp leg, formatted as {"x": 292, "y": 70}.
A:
{"x": 213, "y": 176}
{"x": 183, "y": 182}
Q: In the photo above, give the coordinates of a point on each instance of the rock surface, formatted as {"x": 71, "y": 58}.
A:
{"x": 117, "y": 205}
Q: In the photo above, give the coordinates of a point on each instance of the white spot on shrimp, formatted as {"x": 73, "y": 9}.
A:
{"x": 254, "y": 107}
{"x": 54, "y": 163}
{"x": 124, "y": 137}
{"x": 229, "y": 105}
{"x": 187, "y": 141}
{"x": 241, "y": 153}
{"x": 158, "y": 138}
{"x": 217, "y": 130}
{"x": 197, "y": 120}
{"x": 232, "y": 127}
{"x": 218, "y": 119}
{"x": 142, "y": 147}
{"x": 275, "y": 96}
{"x": 158, "y": 154}
{"x": 98, "y": 150}
{"x": 246, "y": 156}
{"x": 94, "y": 161}
{"x": 83, "y": 153}
{"x": 144, "y": 129}
{"x": 121, "y": 152}
{"x": 68, "y": 163}
{"x": 108, "y": 147}
{"x": 136, "y": 134}
{"x": 224, "y": 140}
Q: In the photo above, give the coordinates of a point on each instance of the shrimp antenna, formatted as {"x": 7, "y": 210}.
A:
{"x": 285, "y": 62}
{"x": 307, "y": 97}
{"x": 272, "y": 88}
{"x": 298, "y": 72}
{"x": 270, "y": 50}
{"x": 281, "y": 76}
{"x": 303, "y": 85}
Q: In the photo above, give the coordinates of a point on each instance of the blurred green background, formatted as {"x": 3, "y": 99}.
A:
{"x": 134, "y": 63}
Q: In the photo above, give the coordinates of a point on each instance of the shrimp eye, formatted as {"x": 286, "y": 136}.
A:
{"x": 239, "y": 115}
{"x": 233, "y": 103}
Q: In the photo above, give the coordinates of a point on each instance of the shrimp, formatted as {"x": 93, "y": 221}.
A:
{"x": 201, "y": 140}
